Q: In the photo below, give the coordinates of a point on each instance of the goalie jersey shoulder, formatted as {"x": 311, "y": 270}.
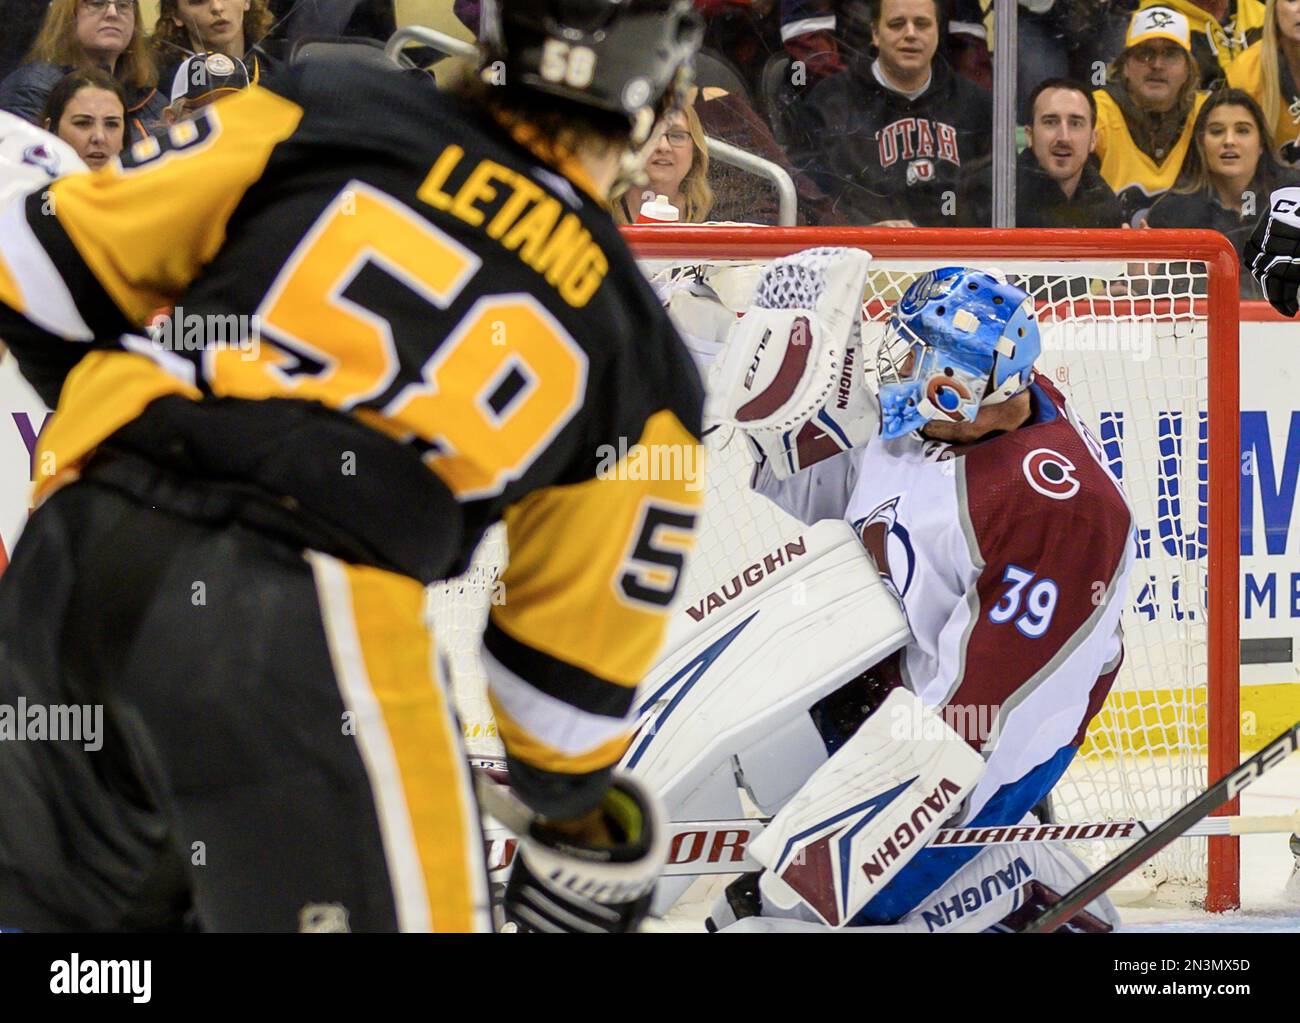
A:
{"x": 1045, "y": 485}
{"x": 942, "y": 521}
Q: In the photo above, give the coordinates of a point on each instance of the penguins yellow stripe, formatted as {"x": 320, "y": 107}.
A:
{"x": 398, "y": 653}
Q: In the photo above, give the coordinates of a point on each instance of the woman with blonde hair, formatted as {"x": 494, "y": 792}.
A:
{"x": 232, "y": 27}
{"x": 88, "y": 33}
{"x": 677, "y": 167}
{"x": 1269, "y": 71}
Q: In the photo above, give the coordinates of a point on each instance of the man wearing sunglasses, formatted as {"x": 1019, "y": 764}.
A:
{"x": 1146, "y": 111}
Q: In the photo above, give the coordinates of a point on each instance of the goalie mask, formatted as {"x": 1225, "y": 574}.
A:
{"x": 959, "y": 339}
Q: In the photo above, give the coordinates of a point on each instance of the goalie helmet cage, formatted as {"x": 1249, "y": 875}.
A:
{"x": 1140, "y": 329}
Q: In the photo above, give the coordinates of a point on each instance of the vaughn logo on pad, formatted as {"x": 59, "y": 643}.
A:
{"x": 864, "y": 813}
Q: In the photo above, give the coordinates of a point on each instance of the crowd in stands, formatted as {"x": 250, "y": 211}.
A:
{"x": 1137, "y": 113}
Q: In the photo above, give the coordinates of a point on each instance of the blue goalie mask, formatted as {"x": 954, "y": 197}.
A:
{"x": 958, "y": 339}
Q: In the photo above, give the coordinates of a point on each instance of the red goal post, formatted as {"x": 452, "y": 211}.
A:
{"x": 1215, "y": 304}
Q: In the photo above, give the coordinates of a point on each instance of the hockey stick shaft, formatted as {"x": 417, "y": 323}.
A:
{"x": 720, "y": 846}
{"x": 1180, "y": 824}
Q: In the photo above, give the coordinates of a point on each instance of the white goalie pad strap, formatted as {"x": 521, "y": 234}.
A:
{"x": 866, "y": 811}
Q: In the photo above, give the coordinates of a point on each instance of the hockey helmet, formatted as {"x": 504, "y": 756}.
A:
{"x": 958, "y": 339}
{"x": 632, "y": 58}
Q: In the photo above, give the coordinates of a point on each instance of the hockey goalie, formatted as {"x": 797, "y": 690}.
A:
{"x": 996, "y": 526}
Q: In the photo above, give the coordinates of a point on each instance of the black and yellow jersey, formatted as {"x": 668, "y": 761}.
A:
{"x": 1137, "y": 178}
{"x": 393, "y": 319}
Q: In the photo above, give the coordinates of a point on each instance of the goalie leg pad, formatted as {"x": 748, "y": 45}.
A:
{"x": 866, "y": 811}
{"x": 999, "y": 890}
{"x": 932, "y": 867}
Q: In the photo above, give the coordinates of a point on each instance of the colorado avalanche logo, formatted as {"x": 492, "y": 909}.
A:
{"x": 40, "y": 156}
{"x": 1050, "y": 473}
{"x": 948, "y": 395}
{"x": 921, "y": 291}
{"x": 890, "y": 546}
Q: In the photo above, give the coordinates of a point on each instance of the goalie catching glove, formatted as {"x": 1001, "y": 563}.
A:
{"x": 793, "y": 374}
{"x": 1273, "y": 253}
{"x": 559, "y": 883}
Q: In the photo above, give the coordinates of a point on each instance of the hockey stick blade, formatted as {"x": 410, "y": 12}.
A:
{"x": 1222, "y": 791}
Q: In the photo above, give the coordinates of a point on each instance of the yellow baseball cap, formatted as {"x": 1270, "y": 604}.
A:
{"x": 1158, "y": 23}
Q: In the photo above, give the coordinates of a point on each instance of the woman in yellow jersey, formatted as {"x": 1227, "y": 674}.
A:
{"x": 1268, "y": 71}
{"x": 1146, "y": 111}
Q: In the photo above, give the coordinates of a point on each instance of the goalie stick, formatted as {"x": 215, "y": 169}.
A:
{"x": 1223, "y": 790}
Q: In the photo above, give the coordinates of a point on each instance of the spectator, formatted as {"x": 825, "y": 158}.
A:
{"x": 1146, "y": 111}
{"x": 745, "y": 33}
{"x": 1220, "y": 31}
{"x": 1043, "y": 43}
{"x": 824, "y": 35}
{"x": 87, "y": 109}
{"x": 87, "y": 33}
{"x": 966, "y": 36}
{"x": 468, "y": 11}
{"x": 1058, "y": 183}
{"x": 889, "y": 139}
{"x": 203, "y": 79}
{"x": 364, "y": 19}
{"x": 1269, "y": 71}
{"x": 1228, "y": 174}
{"x": 232, "y": 27}
{"x": 677, "y": 167}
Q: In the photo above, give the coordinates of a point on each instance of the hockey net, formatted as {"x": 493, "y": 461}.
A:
{"x": 1139, "y": 330}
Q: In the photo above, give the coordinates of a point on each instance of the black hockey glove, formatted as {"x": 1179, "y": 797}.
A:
{"x": 1273, "y": 253}
{"x": 558, "y": 884}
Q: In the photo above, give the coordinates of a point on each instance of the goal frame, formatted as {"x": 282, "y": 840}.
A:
{"x": 1221, "y": 311}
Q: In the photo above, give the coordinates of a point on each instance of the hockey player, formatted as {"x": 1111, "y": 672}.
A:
{"x": 400, "y": 316}
{"x": 989, "y": 511}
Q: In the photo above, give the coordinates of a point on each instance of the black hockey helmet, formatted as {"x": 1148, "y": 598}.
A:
{"x": 625, "y": 57}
